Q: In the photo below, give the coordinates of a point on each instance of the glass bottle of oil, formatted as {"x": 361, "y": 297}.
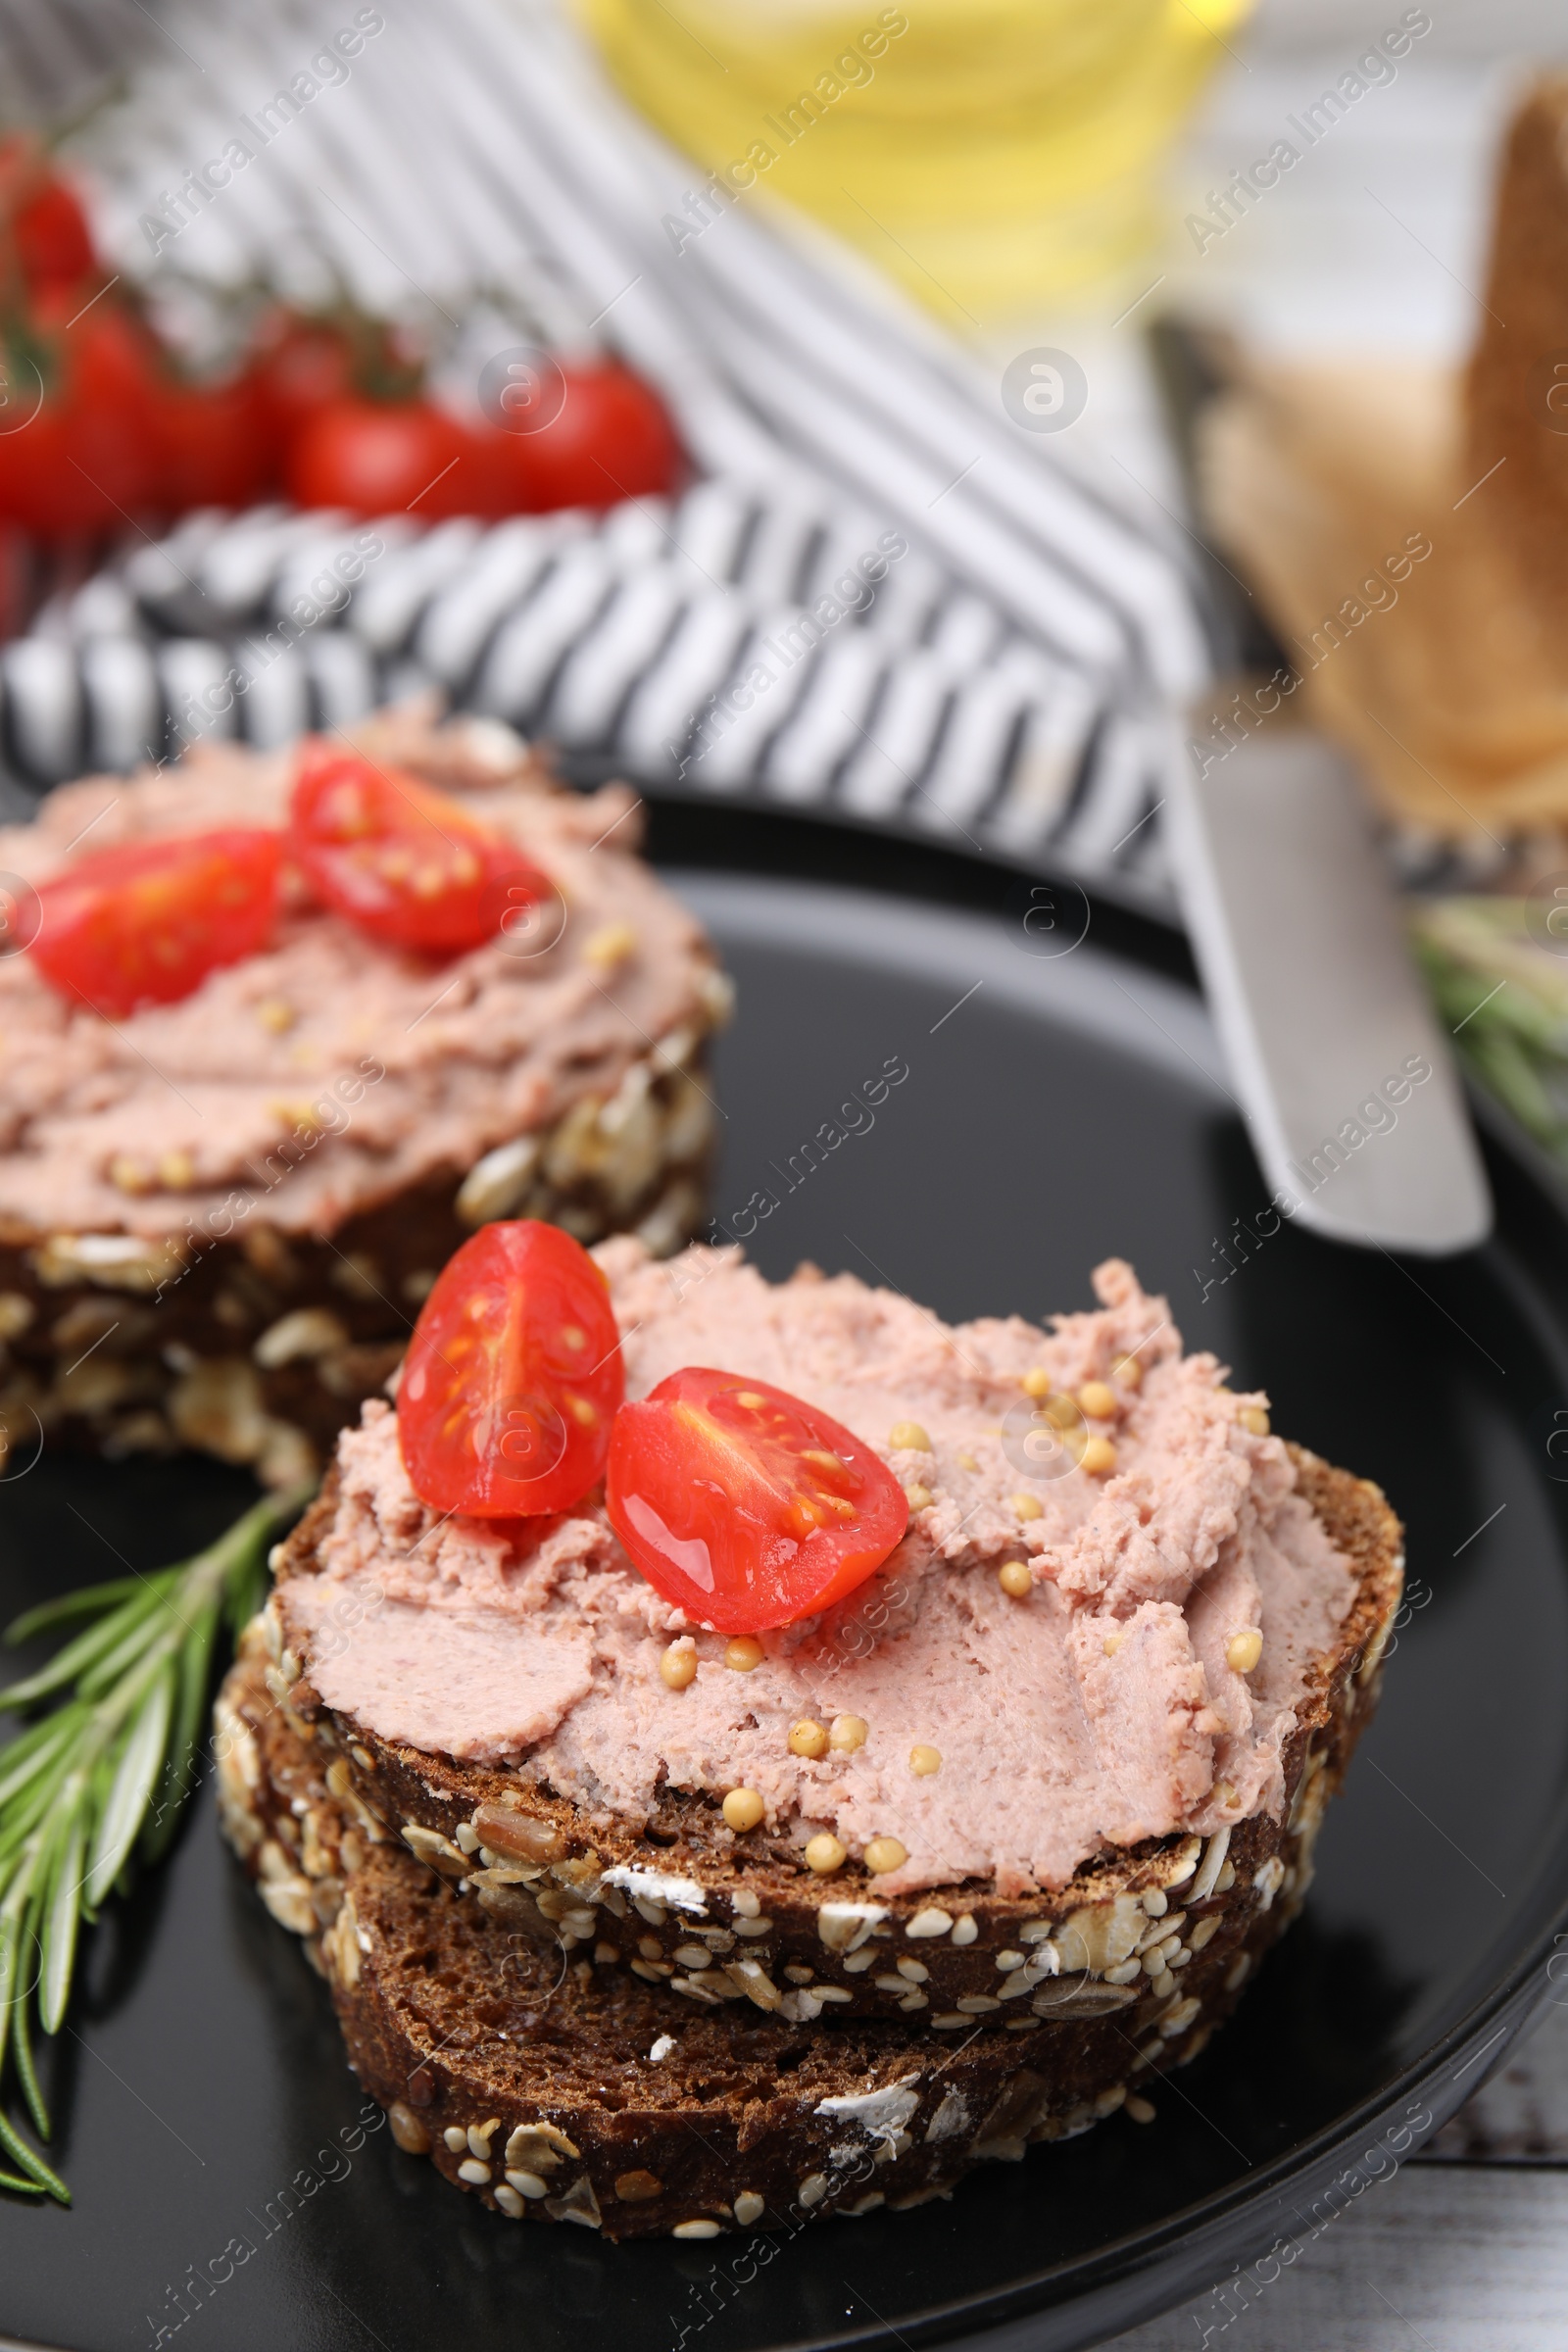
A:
{"x": 990, "y": 153}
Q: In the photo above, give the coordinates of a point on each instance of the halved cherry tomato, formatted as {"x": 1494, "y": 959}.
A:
{"x": 145, "y": 923}
{"x": 406, "y": 863}
{"x": 745, "y": 1506}
{"x": 512, "y": 1378}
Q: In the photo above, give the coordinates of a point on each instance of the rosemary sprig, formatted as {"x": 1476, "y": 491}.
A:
{"x": 1504, "y": 995}
{"x": 102, "y": 1769}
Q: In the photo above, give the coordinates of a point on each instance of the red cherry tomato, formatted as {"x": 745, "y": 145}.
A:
{"x": 86, "y": 459}
{"x": 612, "y": 439}
{"x": 305, "y": 366}
{"x": 213, "y": 446}
{"x": 54, "y": 244}
{"x": 145, "y": 923}
{"x": 512, "y": 1378}
{"x": 745, "y": 1506}
{"x": 48, "y": 228}
{"x": 406, "y": 863}
{"x": 377, "y": 457}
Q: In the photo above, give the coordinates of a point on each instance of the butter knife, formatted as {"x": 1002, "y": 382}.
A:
{"x": 1341, "y": 1069}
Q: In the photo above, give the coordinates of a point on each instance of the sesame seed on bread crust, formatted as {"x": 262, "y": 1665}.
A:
{"x": 678, "y": 1907}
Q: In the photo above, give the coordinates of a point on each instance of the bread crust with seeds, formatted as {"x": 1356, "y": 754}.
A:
{"x": 530, "y": 2079}
{"x": 771, "y": 1934}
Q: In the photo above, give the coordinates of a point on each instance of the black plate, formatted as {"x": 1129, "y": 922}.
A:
{"x": 1058, "y": 1106}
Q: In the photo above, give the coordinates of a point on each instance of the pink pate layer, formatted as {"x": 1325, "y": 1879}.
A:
{"x": 538, "y": 1644}
{"x": 474, "y": 1049}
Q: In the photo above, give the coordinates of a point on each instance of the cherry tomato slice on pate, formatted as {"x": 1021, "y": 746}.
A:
{"x": 146, "y": 923}
{"x": 406, "y": 863}
{"x": 745, "y": 1506}
{"x": 513, "y": 1377}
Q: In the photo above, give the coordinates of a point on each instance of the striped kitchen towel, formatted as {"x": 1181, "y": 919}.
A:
{"x": 880, "y": 599}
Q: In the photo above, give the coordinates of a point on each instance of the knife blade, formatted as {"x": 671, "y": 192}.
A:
{"x": 1341, "y": 1072}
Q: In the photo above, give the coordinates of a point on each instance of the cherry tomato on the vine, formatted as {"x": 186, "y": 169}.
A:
{"x": 391, "y": 457}
{"x": 84, "y": 457}
{"x": 406, "y": 863}
{"x": 44, "y": 218}
{"x": 744, "y": 1505}
{"x": 609, "y": 439}
{"x": 54, "y": 244}
{"x": 512, "y": 1378}
{"x": 212, "y": 445}
{"x": 146, "y": 923}
{"x": 301, "y": 367}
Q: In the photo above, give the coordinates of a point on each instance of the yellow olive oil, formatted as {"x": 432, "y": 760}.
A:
{"x": 988, "y": 153}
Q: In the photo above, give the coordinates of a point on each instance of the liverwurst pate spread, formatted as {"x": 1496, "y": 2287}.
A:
{"x": 1094, "y": 1712}
{"x": 349, "y": 1068}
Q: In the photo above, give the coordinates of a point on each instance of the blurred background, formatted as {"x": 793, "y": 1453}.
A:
{"x": 944, "y": 420}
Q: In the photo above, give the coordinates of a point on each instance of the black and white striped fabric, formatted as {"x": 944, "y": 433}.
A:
{"x": 1007, "y": 674}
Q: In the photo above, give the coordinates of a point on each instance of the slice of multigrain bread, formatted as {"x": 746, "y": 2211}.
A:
{"x": 555, "y": 2091}
{"x": 718, "y": 1920}
{"x": 1156, "y": 1935}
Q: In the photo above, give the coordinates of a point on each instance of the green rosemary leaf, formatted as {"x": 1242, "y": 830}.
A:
{"x": 14, "y": 1753}
{"x": 80, "y": 1657}
{"x": 127, "y": 1697}
{"x": 191, "y": 1713}
{"x": 139, "y": 1766}
{"x": 13, "y": 1991}
{"x": 60, "y": 1916}
{"x": 245, "y": 1551}
{"x": 26, "y": 2072}
{"x": 1506, "y": 1067}
{"x": 88, "y": 1600}
{"x": 1504, "y": 996}
{"x": 160, "y": 1626}
{"x": 33, "y": 1750}
{"x": 31, "y": 2161}
{"x": 25, "y": 1818}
